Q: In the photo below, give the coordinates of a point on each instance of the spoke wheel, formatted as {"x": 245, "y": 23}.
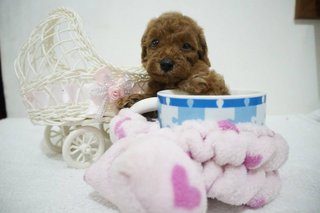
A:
{"x": 83, "y": 146}
{"x": 54, "y": 137}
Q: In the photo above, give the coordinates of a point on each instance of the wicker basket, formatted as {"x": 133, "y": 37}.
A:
{"x": 56, "y": 69}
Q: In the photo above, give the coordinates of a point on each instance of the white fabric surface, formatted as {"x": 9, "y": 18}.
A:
{"x": 34, "y": 179}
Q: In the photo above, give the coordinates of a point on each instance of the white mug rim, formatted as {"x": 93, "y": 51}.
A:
{"x": 235, "y": 93}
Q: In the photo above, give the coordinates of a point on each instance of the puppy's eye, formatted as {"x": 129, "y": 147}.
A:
{"x": 154, "y": 43}
{"x": 186, "y": 46}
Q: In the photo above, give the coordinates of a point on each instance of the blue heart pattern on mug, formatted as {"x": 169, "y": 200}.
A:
{"x": 177, "y": 110}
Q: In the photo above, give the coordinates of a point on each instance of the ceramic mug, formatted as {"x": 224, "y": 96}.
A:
{"x": 174, "y": 107}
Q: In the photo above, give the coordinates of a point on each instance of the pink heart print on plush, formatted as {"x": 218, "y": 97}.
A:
{"x": 185, "y": 195}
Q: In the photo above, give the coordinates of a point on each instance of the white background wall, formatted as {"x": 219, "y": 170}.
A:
{"x": 254, "y": 44}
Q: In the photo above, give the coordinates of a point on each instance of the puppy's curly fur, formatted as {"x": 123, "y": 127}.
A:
{"x": 174, "y": 53}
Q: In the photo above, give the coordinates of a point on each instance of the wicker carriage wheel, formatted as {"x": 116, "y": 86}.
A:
{"x": 83, "y": 146}
{"x": 54, "y": 137}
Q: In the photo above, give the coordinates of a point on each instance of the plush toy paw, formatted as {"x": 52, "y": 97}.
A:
{"x": 149, "y": 176}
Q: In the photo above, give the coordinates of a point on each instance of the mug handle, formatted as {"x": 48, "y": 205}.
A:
{"x": 145, "y": 105}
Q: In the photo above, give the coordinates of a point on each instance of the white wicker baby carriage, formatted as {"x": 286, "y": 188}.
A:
{"x": 56, "y": 69}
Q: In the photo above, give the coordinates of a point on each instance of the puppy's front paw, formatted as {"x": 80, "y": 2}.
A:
{"x": 128, "y": 101}
{"x": 195, "y": 85}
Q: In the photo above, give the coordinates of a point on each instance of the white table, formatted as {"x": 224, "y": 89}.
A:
{"x": 34, "y": 179}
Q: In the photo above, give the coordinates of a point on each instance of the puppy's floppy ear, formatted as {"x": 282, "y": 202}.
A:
{"x": 203, "y": 51}
{"x": 143, "y": 48}
{"x": 144, "y": 41}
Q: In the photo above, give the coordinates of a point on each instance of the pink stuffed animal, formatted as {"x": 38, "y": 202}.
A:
{"x": 149, "y": 169}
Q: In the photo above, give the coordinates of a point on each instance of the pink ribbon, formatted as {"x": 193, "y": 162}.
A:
{"x": 109, "y": 88}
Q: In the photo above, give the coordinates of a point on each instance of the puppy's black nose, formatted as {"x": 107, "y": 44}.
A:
{"x": 166, "y": 64}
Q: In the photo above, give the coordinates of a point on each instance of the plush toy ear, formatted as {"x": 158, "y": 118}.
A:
{"x": 203, "y": 51}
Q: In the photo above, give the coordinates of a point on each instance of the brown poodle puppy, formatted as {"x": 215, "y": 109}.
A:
{"x": 174, "y": 53}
